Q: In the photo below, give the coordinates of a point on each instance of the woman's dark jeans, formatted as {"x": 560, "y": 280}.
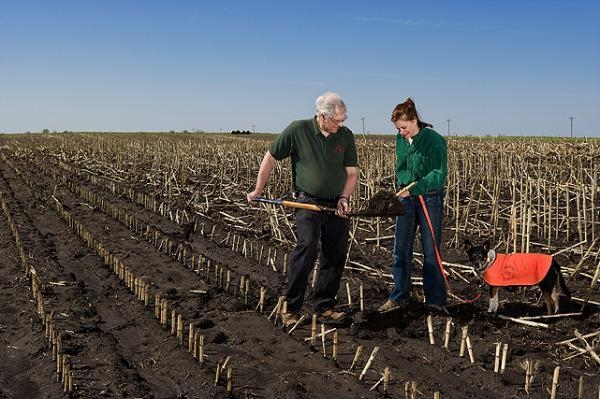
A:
{"x": 332, "y": 233}
{"x": 402, "y": 261}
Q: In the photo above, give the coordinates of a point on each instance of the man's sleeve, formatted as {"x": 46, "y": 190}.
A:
{"x": 351, "y": 156}
{"x": 281, "y": 147}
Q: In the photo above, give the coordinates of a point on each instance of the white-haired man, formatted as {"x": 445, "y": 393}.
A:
{"x": 324, "y": 172}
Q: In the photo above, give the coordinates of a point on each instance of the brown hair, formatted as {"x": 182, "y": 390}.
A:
{"x": 408, "y": 111}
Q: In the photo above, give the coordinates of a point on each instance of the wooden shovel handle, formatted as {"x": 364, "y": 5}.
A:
{"x": 292, "y": 204}
{"x": 311, "y": 207}
{"x": 411, "y": 185}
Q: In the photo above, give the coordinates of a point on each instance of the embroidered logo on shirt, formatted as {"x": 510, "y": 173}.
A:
{"x": 339, "y": 149}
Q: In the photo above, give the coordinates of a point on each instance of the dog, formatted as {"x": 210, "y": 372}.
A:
{"x": 518, "y": 269}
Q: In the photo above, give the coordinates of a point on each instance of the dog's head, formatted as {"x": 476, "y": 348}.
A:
{"x": 478, "y": 254}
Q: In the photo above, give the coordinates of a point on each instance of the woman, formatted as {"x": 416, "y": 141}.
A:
{"x": 421, "y": 157}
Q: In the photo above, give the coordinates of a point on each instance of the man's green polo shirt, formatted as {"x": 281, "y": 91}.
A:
{"x": 318, "y": 162}
{"x": 424, "y": 161}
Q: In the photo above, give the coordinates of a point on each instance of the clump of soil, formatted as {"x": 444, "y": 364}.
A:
{"x": 383, "y": 203}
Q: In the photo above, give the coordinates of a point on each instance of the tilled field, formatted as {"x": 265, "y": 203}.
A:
{"x": 105, "y": 293}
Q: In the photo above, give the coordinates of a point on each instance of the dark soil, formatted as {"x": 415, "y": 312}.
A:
{"x": 383, "y": 203}
{"x": 86, "y": 241}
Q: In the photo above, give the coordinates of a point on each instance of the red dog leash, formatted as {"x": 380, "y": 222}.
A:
{"x": 437, "y": 253}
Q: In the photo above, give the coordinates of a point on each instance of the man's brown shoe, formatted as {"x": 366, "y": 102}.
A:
{"x": 334, "y": 315}
{"x": 290, "y": 319}
{"x": 389, "y": 305}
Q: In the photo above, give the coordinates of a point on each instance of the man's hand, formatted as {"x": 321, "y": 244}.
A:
{"x": 251, "y": 195}
{"x": 343, "y": 207}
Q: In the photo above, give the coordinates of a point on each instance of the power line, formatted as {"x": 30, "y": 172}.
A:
{"x": 571, "y": 118}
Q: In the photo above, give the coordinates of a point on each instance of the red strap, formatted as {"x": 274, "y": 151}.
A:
{"x": 437, "y": 252}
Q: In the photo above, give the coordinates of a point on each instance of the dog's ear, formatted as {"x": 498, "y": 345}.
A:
{"x": 486, "y": 246}
{"x": 468, "y": 245}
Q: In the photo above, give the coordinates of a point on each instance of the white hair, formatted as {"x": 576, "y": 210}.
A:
{"x": 328, "y": 103}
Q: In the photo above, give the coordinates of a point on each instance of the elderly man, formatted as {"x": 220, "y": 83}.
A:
{"x": 324, "y": 172}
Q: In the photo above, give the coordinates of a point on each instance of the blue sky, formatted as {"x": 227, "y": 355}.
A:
{"x": 491, "y": 67}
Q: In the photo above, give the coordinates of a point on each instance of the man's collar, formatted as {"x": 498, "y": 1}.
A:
{"x": 316, "y": 129}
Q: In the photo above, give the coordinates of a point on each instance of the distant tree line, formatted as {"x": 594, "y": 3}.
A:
{"x": 240, "y": 132}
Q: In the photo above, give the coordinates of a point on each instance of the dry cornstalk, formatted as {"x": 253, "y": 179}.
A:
{"x": 59, "y": 361}
{"x": 591, "y": 288}
{"x": 410, "y": 390}
{"x": 386, "y": 379}
{"x": 225, "y": 363}
{"x": 311, "y": 338}
{"x": 588, "y": 348}
{"x": 323, "y": 340}
{"x": 300, "y": 320}
{"x": 218, "y": 373}
{"x": 180, "y": 328}
{"x": 497, "y": 357}
{"x": 229, "y": 380}
{"x": 275, "y": 310}
{"x": 583, "y": 258}
{"x": 362, "y": 303}
{"x": 430, "y": 329}
{"x": 526, "y": 322}
{"x": 576, "y": 338}
{"x": 313, "y": 329}
{"x": 379, "y": 381}
{"x": 463, "y": 340}
{"x": 530, "y": 367}
{"x": 447, "y": 332}
{"x": 553, "y": 316}
{"x": 348, "y": 293}
{"x": 163, "y": 313}
{"x": 173, "y": 322}
{"x": 261, "y": 300}
{"x": 504, "y": 355}
{"x": 194, "y": 349}
{"x": 570, "y": 247}
{"x": 191, "y": 337}
{"x": 470, "y": 350}
{"x": 283, "y": 312}
{"x": 578, "y": 351}
{"x": 364, "y": 371}
{"x": 242, "y": 286}
{"x": 357, "y": 355}
{"x": 586, "y": 301}
{"x": 554, "y": 382}
{"x": 335, "y": 345}
{"x": 201, "y": 349}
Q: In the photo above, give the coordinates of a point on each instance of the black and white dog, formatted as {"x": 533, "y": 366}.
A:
{"x": 518, "y": 269}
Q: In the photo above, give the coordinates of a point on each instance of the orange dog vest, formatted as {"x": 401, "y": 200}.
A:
{"x": 517, "y": 269}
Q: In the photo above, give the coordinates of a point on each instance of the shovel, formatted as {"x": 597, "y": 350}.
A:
{"x": 408, "y": 187}
{"x": 377, "y": 206}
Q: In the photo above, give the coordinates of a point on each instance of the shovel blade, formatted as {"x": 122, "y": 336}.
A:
{"x": 383, "y": 204}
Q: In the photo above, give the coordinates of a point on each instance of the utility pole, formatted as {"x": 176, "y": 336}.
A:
{"x": 252, "y": 128}
{"x": 571, "y": 118}
{"x": 448, "y": 120}
{"x": 363, "y": 124}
